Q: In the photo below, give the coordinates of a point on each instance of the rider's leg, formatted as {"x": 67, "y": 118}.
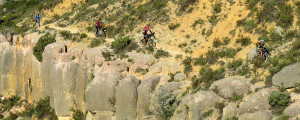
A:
{"x": 96, "y": 29}
{"x": 261, "y": 53}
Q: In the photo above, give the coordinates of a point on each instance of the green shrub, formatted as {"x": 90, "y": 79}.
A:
{"x": 141, "y": 70}
{"x": 275, "y": 37}
{"x": 184, "y": 4}
{"x": 182, "y": 45}
{"x": 229, "y": 52}
{"x": 263, "y": 37}
{"x": 211, "y": 57}
{"x": 78, "y": 115}
{"x": 286, "y": 17}
{"x": 241, "y": 22}
{"x": 279, "y": 99}
{"x": 107, "y": 55}
{"x": 173, "y": 26}
{"x": 251, "y": 3}
{"x": 199, "y": 21}
{"x": 66, "y": 34}
{"x": 124, "y": 44}
{"x": 226, "y": 40}
{"x": 233, "y": 65}
{"x": 213, "y": 19}
{"x": 199, "y": 61}
{"x": 217, "y": 43}
{"x": 187, "y": 65}
{"x": 220, "y": 106}
{"x": 44, "y": 109}
{"x": 83, "y": 35}
{"x": 244, "y": 41}
{"x": 164, "y": 105}
{"x": 73, "y": 57}
{"x": 39, "y": 47}
{"x": 285, "y": 117}
{"x": 218, "y": 7}
{"x": 207, "y": 113}
{"x": 96, "y": 42}
{"x": 193, "y": 41}
{"x": 296, "y": 45}
{"x": 250, "y": 25}
{"x": 8, "y": 103}
{"x": 161, "y": 53}
{"x": 208, "y": 76}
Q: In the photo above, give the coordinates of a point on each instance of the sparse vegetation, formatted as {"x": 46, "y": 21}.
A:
{"x": 39, "y": 48}
{"x": 218, "y": 7}
{"x": 83, "y": 35}
{"x": 161, "y": 53}
{"x": 187, "y": 65}
{"x": 217, "y": 43}
{"x": 207, "y": 113}
{"x": 235, "y": 97}
{"x": 173, "y": 26}
{"x": 78, "y": 115}
{"x": 199, "y": 21}
{"x": 96, "y": 42}
{"x": 184, "y": 4}
{"x": 199, "y": 61}
{"x": 244, "y": 41}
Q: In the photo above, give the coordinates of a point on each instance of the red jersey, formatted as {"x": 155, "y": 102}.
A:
{"x": 97, "y": 23}
{"x": 146, "y": 29}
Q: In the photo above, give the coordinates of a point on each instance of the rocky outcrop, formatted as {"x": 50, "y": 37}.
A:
{"x": 145, "y": 90}
{"x": 179, "y": 77}
{"x": 256, "y": 102}
{"x": 126, "y": 98}
{"x": 229, "y": 111}
{"x": 293, "y": 109}
{"x": 193, "y": 106}
{"x": 288, "y": 77}
{"x": 252, "y": 53}
{"x": 101, "y": 92}
{"x": 226, "y": 87}
{"x": 259, "y": 115}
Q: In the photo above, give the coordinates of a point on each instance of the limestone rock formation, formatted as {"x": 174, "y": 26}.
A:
{"x": 256, "y": 102}
{"x": 228, "y": 86}
{"x": 288, "y": 77}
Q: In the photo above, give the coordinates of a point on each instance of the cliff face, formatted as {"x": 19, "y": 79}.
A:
{"x": 79, "y": 79}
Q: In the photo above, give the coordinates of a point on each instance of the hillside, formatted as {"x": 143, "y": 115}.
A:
{"x": 204, "y": 66}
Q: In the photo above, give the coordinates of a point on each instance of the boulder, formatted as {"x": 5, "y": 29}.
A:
{"x": 228, "y": 86}
{"x": 295, "y": 118}
{"x": 293, "y": 109}
{"x": 256, "y": 102}
{"x": 229, "y": 111}
{"x": 145, "y": 90}
{"x": 126, "y": 98}
{"x": 258, "y": 115}
{"x": 100, "y": 93}
{"x": 288, "y": 77}
{"x": 193, "y": 106}
{"x": 104, "y": 115}
{"x": 252, "y": 53}
{"x": 179, "y": 77}
{"x": 63, "y": 76}
{"x": 114, "y": 66}
{"x": 141, "y": 60}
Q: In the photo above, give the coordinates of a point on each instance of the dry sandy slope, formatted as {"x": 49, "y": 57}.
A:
{"x": 170, "y": 39}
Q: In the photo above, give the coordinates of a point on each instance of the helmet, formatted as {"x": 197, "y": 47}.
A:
{"x": 262, "y": 41}
{"x": 148, "y": 25}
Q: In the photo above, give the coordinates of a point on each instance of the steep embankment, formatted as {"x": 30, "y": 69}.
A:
{"x": 203, "y": 67}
